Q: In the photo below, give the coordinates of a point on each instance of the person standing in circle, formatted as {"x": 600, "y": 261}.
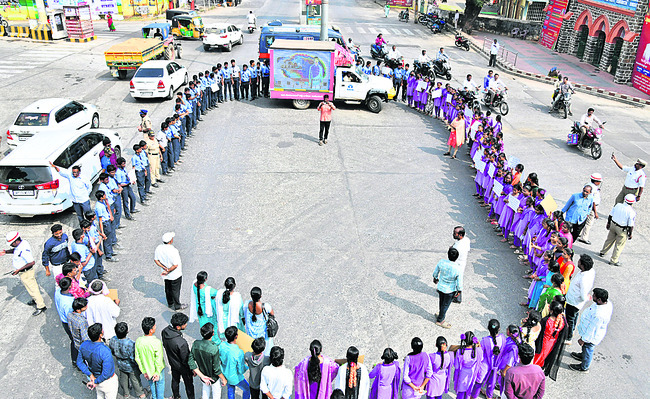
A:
{"x": 325, "y": 108}
{"x": 167, "y": 258}
{"x": 256, "y": 314}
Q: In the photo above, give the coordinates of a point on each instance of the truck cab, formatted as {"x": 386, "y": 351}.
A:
{"x": 355, "y": 87}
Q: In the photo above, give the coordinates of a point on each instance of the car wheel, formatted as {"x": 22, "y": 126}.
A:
{"x": 206, "y": 47}
{"x": 241, "y": 39}
{"x": 95, "y": 122}
{"x": 374, "y": 104}
{"x": 170, "y": 94}
{"x": 186, "y": 79}
{"x": 229, "y": 47}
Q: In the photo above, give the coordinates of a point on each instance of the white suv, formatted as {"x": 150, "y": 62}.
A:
{"x": 51, "y": 114}
{"x": 29, "y": 186}
{"x": 222, "y": 35}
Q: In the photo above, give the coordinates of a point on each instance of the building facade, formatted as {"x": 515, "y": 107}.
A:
{"x": 604, "y": 33}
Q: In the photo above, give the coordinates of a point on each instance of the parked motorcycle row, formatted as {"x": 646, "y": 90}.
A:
{"x": 433, "y": 21}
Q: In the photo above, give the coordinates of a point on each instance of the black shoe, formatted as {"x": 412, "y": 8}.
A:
{"x": 155, "y": 185}
{"x": 32, "y": 303}
{"x": 112, "y": 259}
{"x": 144, "y": 203}
{"x": 160, "y": 181}
{"x": 578, "y": 367}
{"x": 181, "y": 307}
{"x": 576, "y": 355}
{"x": 39, "y": 311}
{"x": 129, "y": 218}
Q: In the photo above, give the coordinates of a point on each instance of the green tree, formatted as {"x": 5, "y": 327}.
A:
{"x": 472, "y": 10}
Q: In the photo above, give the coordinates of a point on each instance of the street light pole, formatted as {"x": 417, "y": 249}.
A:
{"x": 42, "y": 16}
{"x": 324, "y": 20}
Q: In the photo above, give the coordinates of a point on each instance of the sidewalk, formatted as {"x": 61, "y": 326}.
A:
{"x": 537, "y": 59}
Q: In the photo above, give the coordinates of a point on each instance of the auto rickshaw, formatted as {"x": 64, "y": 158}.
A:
{"x": 187, "y": 26}
{"x": 160, "y": 30}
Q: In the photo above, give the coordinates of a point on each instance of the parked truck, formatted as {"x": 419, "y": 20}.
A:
{"x": 305, "y": 71}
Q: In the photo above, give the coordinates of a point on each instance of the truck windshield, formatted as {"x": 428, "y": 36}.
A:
{"x": 149, "y": 73}
{"x": 32, "y": 119}
{"x": 25, "y": 174}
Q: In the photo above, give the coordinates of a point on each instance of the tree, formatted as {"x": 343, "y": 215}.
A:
{"x": 472, "y": 10}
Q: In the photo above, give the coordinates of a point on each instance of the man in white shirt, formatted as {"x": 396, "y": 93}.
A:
{"x": 167, "y": 258}
{"x": 23, "y": 263}
{"x": 424, "y": 58}
{"x": 494, "y": 50}
{"x": 251, "y": 18}
{"x": 469, "y": 85}
{"x": 620, "y": 225}
{"x": 393, "y": 53}
{"x": 596, "y": 181}
{"x": 80, "y": 189}
{"x": 462, "y": 244}
{"x": 634, "y": 180}
{"x": 276, "y": 380}
{"x": 456, "y": 18}
{"x": 578, "y": 292}
{"x": 592, "y": 329}
{"x": 441, "y": 56}
{"x": 588, "y": 120}
{"x": 496, "y": 86}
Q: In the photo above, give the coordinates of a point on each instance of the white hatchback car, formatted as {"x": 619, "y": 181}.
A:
{"x": 158, "y": 79}
{"x": 222, "y": 35}
{"x": 29, "y": 186}
{"x": 51, "y": 114}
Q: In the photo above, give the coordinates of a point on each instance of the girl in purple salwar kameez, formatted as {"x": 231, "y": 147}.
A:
{"x": 386, "y": 377}
{"x": 507, "y": 214}
{"x": 314, "y": 375}
{"x": 438, "y": 101}
{"x": 466, "y": 361}
{"x": 417, "y": 94}
{"x": 424, "y": 96}
{"x": 441, "y": 363}
{"x": 410, "y": 88}
{"x": 509, "y": 356}
{"x": 417, "y": 371}
{"x": 487, "y": 369}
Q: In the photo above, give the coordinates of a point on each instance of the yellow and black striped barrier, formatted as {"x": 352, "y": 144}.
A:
{"x": 2, "y": 30}
{"x": 81, "y": 40}
{"x": 19, "y": 31}
{"x": 42, "y": 32}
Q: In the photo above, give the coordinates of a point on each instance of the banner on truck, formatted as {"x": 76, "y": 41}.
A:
{"x": 301, "y": 71}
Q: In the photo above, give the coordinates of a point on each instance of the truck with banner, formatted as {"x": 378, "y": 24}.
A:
{"x": 304, "y": 70}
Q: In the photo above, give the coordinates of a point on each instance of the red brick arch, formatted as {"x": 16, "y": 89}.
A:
{"x": 584, "y": 19}
{"x": 616, "y": 31}
{"x": 601, "y": 23}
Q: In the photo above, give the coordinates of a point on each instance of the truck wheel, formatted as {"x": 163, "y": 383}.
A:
{"x": 374, "y": 104}
{"x": 121, "y": 74}
{"x": 206, "y": 47}
{"x": 169, "y": 53}
{"x": 179, "y": 52}
{"x": 301, "y": 104}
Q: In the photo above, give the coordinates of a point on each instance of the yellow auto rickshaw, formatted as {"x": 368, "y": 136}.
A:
{"x": 187, "y": 26}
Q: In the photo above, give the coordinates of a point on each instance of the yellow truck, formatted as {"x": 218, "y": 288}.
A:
{"x": 129, "y": 55}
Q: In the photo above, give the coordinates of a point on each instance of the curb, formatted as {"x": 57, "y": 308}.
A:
{"x": 611, "y": 95}
{"x": 81, "y": 40}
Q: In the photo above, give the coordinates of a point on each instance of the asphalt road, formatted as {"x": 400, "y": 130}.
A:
{"x": 342, "y": 238}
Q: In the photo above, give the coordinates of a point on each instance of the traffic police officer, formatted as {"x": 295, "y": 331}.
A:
{"x": 620, "y": 225}
{"x": 634, "y": 181}
{"x": 153, "y": 154}
{"x": 145, "y": 124}
{"x": 265, "y": 72}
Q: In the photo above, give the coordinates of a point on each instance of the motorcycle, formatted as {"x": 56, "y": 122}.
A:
{"x": 591, "y": 141}
{"x": 462, "y": 42}
{"x": 4, "y": 22}
{"x": 438, "y": 25}
{"x": 377, "y": 52}
{"x": 563, "y": 104}
{"x": 251, "y": 28}
{"x": 393, "y": 63}
{"x": 404, "y": 16}
{"x": 424, "y": 70}
{"x": 498, "y": 102}
{"x": 423, "y": 18}
{"x": 442, "y": 68}
{"x": 469, "y": 97}
{"x": 356, "y": 52}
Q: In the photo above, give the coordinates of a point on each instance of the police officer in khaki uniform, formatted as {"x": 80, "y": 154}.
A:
{"x": 153, "y": 153}
{"x": 145, "y": 124}
{"x": 634, "y": 180}
{"x": 620, "y": 225}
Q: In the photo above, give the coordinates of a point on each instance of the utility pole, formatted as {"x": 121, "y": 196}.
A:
{"x": 42, "y": 16}
{"x": 324, "y": 20}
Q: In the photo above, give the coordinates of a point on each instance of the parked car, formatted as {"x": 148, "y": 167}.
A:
{"x": 29, "y": 186}
{"x": 222, "y": 36}
{"x": 51, "y": 114}
{"x": 159, "y": 78}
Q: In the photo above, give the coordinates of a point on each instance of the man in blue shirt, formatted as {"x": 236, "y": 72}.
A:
{"x": 398, "y": 75}
{"x": 245, "y": 82}
{"x": 96, "y": 361}
{"x": 405, "y": 78}
{"x": 80, "y": 189}
{"x": 227, "y": 77}
{"x": 87, "y": 260}
{"x": 367, "y": 69}
{"x": 577, "y": 209}
{"x": 252, "y": 70}
{"x": 124, "y": 181}
{"x": 55, "y": 251}
{"x": 105, "y": 224}
{"x": 233, "y": 365}
{"x": 265, "y": 72}
{"x": 448, "y": 275}
{"x": 112, "y": 190}
{"x": 147, "y": 166}
{"x": 169, "y": 149}
{"x": 63, "y": 300}
{"x": 376, "y": 70}
{"x": 140, "y": 171}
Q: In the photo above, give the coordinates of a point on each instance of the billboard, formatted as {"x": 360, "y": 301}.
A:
{"x": 641, "y": 71}
{"x": 552, "y": 22}
{"x": 628, "y": 5}
{"x": 400, "y": 3}
{"x": 303, "y": 73}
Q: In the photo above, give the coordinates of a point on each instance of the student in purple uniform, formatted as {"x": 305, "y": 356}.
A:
{"x": 386, "y": 377}
{"x": 441, "y": 362}
{"x": 487, "y": 369}
{"x": 417, "y": 371}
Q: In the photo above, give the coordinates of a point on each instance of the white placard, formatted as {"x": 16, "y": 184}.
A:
{"x": 480, "y": 166}
{"x": 513, "y": 202}
{"x": 449, "y": 98}
{"x": 497, "y": 188}
{"x": 132, "y": 177}
{"x": 422, "y": 86}
{"x": 437, "y": 93}
{"x": 514, "y": 161}
{"x": 477, "y": 156}
{"x": 491, "y": 170}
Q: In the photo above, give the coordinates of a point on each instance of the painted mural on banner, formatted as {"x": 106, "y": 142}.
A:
{"x": 400, "y": 3}
{"x": 641, "y": 72}
{"x": 553, "y": 22}
{"x": 628, "y": 5}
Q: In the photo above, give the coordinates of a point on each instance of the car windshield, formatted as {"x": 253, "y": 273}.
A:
{"x": 149, "y": 73}
{"x": 25, "y": 174}
{"x": 32, "y": 119}
{"x": 216, "y": 30}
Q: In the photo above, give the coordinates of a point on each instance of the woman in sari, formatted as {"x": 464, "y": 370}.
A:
{"x": 230, "y": 308}
{"x": 466, "y": 364}
{"x": 547, "y": 297}
{"x": 352, "y": 377}
{"x": 109, "y": 20}
{"x": 549, "y": 345}
{"x": 202, "y": 307}
{"x": 487, "y": 369}
{"x": 441, "y": 362}
{"x": 567, "y": 267}
{"x": 417, "y": 371}
{"x": 530, "y": 327}
{"x": 456, "y": 136}
{"x": 386, "y": 377}
{"x": 314, "y": 374}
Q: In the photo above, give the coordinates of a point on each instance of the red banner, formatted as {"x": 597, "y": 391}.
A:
{"x": 552, "y": 22}
{"x": 400, "y": 3}
{"x": 641, "y": 71}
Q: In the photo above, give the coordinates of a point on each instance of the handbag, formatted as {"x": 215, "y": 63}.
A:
{"x": 271, "y": 323}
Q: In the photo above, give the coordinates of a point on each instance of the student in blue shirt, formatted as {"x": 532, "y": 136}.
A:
{"x": 96, "y": 361}
{"x": 92, "y": 232}
{"x": 227, "y": 77}
{"x": 367, "y": 69}
{"x": 147, "y": 166}
{"x": 87, "y": 259}
{"x": 376, "y": 70}
{"x": 245, "y": 82}
{"x": 218, "y": 74}
{"x": 265, "y": 72}
{"x": 140, "y": 171}
{"x": 112, "y": 190}
{"x": 254, "y": 79}
{"x": 397, "y": 80}
{"x": 105, "y": 224}
{"x": 63, "y": 300}
{"x": 233, "y": 366}
{"x": 176, "y": 139}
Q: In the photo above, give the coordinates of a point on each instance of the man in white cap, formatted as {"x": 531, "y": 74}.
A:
{"x": 620, "y": 225}
{"x": 596, "y": 181}
{"x": 634, "y": 180}
{"x": 167, "y": 258}
{"x": 23, "y": 262}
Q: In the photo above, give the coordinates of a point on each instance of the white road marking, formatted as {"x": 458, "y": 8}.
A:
{"x": 408, "y": 32}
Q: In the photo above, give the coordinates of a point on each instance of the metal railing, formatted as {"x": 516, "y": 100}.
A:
{"x": 504, "y": 54}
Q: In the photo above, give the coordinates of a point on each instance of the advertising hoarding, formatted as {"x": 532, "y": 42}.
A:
{"x": 552, "y": 22}
{"x": 641, "y": 71}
